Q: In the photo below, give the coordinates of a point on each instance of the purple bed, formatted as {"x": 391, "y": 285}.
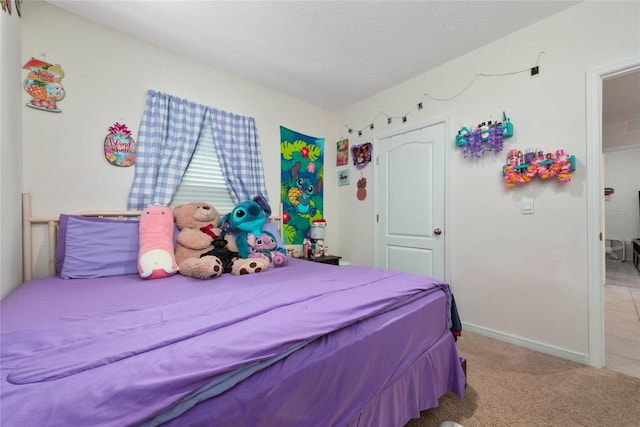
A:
{"x": 308, "y": 344}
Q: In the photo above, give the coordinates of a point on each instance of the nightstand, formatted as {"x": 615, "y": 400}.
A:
{"x": 327, "y": 259}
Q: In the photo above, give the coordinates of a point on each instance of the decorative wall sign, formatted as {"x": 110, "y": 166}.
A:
{"x": 343, "y": 177}
{"x": 361, "y": 193}
{"x": 119, "y": 146}
{"x": 43, "y": 85}
{"x": 301, "y": 178}
{"x": 342, "y": 156}
{"x": 362, "y": 154}
{"x": 545, "y": 166}
{"x": 485, "y": 138}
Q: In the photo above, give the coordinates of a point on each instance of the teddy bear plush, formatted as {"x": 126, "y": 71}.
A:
{"x": 197, "y": 224}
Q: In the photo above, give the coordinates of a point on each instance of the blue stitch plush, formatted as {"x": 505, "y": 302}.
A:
{"x": 246, "y": 218}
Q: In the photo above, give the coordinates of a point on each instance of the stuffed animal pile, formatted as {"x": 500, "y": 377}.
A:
{"x": 246, "y": 222}
{"x": 198, "y": 225}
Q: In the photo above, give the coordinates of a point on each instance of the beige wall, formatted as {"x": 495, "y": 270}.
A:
{"x": 107, "y": 75}
{"x": 621, "y": 212}
{"x": 522, "y": 277}
{"x": 519, "y": 277}
{"x": 10, "y": 153}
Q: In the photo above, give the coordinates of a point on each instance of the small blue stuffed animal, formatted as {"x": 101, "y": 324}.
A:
{"x": 246, "y": 218}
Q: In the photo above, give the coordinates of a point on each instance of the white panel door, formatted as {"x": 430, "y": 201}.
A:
{"x": 411, "y": 201}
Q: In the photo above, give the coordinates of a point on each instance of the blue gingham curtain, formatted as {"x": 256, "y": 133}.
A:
{"x": 169, "y": 132}
{"x": 239, "y": 153}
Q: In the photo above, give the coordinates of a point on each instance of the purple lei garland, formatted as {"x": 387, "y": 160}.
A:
{"x": 475, "y": 147}
{"x": 495, "y": 141}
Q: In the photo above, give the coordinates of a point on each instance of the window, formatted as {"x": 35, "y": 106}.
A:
{"x": 203, "y": 179}
{"x": 167, "y": 140}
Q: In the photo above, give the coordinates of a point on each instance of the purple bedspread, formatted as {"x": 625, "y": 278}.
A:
{"x": 117, "y": 351}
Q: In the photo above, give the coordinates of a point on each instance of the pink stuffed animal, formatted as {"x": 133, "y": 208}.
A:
{"x": 156, "y": 255}
{"x": 266, "y": 247}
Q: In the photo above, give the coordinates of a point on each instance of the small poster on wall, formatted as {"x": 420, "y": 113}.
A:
{"x": 343, "y": 177}
{"x": 342, "y": 157}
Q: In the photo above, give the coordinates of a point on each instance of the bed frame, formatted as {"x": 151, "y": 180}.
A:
{"x": 29, "y": 220}
{"x": 426, "y": 373}
{"x": 53, "y": 221}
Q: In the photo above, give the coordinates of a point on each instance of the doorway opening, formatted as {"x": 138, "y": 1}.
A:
{"x": 621, "y": 178}
{"x": 595, "y": 203}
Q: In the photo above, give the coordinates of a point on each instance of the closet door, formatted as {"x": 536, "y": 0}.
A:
{"x": 411, "y": 201}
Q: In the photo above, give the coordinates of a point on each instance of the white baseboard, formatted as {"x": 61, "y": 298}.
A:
{"x": 531, "y": 345}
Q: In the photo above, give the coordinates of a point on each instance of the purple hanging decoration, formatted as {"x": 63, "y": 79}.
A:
{"x": 474, "y": 146}
{"x": 495, "y": 142}
{"x": 466, "y": 148}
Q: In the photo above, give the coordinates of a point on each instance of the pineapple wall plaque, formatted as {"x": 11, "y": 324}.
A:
{"x": 361, "y": 192}
{"x": 119, "y": 146}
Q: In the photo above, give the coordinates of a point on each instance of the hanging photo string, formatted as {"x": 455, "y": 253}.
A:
{"x": 533, "y": 70}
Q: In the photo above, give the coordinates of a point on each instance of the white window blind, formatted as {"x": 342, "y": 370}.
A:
{"x": 203, "y": 180}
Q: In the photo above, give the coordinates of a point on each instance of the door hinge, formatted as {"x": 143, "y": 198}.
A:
{"x": 377, "y": 161}
{"x": 377, "y": 217}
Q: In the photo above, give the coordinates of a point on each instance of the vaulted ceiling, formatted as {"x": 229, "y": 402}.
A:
{"x": 335, "y": 53}
{"x": 329, "y": 53}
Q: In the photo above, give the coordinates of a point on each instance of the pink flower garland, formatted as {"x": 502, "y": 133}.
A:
{"x": 560, "y": 167}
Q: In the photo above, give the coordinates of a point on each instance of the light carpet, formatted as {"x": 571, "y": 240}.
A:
{"x": 512, "y": 386}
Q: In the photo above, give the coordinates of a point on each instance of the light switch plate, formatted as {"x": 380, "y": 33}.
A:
{"x": 526, "y": 205}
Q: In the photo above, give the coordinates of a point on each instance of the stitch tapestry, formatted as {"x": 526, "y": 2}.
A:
{"x": 301, "y": 176}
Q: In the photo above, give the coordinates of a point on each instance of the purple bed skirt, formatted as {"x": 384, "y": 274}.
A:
{"x": 307, "y": 344}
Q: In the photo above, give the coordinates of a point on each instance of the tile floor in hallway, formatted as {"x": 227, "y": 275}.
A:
{"x": 622, "y": 324}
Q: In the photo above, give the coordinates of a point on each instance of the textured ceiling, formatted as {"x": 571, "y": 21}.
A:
{"x": 621, "y": 97}
{"x": 329, "y": 53}
{"x": 621, "y": 110}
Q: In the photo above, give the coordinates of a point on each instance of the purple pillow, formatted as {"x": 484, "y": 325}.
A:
{"x": 62, "y": 234}
{"x": 96, "y": 247}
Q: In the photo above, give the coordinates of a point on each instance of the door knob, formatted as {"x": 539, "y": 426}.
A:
{"x": 437, "y": 232}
